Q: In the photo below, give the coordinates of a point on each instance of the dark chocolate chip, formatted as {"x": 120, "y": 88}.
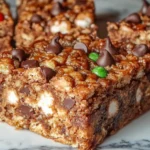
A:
{"x": 25, "y": 90}
{"x": 81, "y": 46}
{"x": 54, "y": 46}
{"x": 19, "y": 54}
{"x": 25, "y": 111}
{"x": 30, "y": 64}
{"x": 57, "y": 9}
{"x": 148, "y": 11}
{"x": 145, "y": 6}
{"x": 110, "y": 48}
{"x": 133, "y": 18}
{"x": 105, "y": 59}
{"x": 68, "y": 103}
{"x": 36, "y": 18}
{"x": 140, "y": 50}
{"x": 48, "y": 73}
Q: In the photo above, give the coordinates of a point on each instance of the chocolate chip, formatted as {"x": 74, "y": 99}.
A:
{"x": 148, "y": 11}
{"x": 25, "y": 90}
{"x": 133, "y": 18}
{"x": 19, "y": 54}
{"x": 81, "y": 46}
{"x": 36, "y": 18}
{"x": 68, "y": 103}
{"x": 48, "y": 73}
{"x": 145, "y": 7}
{"x": 105, "y": 59}
{"x": 25, "y": 111}
{"x": 57, "y": 9}
{"x": 140, "y": 50}
{"x": 110, "y": 48}
{"x": 54, "y": 46}
{"x": 29, "y": 64}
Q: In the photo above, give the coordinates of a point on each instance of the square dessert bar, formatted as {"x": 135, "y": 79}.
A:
{"x": 43, "y": 19}
{"x": 135, "y": 27}
{"x": 6, "y": 33}
{"x": 76, "y": 95}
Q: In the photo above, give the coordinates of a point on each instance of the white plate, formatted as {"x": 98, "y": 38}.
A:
{"x": 134, "y": 136}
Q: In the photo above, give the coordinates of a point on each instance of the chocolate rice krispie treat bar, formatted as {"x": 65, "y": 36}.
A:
{"x": 6, "y": 33}
{"x": 42, "y": 19}
{"x": 76, "y": 95}
{"x": 134, "y": 28}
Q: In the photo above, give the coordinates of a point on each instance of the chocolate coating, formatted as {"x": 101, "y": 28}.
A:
{"x": 48, "y": 73}
{"x": 133, "y": 18}
{"x": 81, "y": 46}
{"x": 105, "y": 59}
{"x": 30, "y": 64}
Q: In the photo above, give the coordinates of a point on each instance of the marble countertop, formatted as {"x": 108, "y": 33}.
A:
{"x": 135, "y": 136}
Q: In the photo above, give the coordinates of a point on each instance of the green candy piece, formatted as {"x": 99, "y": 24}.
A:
{"x": 94, "y": 56}
{"x": 100, "y": 72}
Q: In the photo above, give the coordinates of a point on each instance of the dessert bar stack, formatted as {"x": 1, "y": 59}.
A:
{"x": 43, "y": 19}
{"x": 68, "y": 84}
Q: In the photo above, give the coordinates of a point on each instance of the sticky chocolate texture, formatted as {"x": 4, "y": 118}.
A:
{"x": 54, "y": 47}
{"x": 19, "y": 54}
{"x": 109, "y": 47}
{"x": 68, "y": 103}
{"x": 133, "y": 18}
{"x": 140, "y": 50}
{"x": 57, "y": 9}
{"x": 36, "y": 18}
{"x": 48, "y": 73}
{"x": 25, "y": 111}
{"x": 30, "y": 64}
{"x": 25, "y": 90}
{"x": 80, "y": 2}
{"x": 105, "y": 59}
{"x": 81, "y": 46}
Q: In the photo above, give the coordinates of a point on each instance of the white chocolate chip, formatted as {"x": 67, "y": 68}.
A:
{"x": 45, "y": 101}
{"x": 113, "y": 108}
{"x": 83, "y": 23}
{"x": 62, "y": 27}
{"x": 12, "y": 97}
{"x": 83, "y": 20}
{"x": 139, "y": 94}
